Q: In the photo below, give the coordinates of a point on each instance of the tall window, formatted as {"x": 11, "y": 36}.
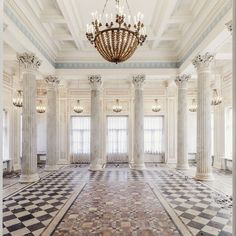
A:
{"x": 5, "y": 137}
{"x": 117, "y": 134}
{"x": 228, "y": 133}
{"x": 80, "y": 135}
{"x": 153, "y": 134}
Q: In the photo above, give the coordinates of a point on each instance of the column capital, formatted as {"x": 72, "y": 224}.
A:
{"x": 203, "y": 61}
{"x": 95, "y": 81}
{"x": 229, "y": 26}
{"x": 138, "y": 81}
{"x": 182, "y": 80}
{"x": 52, "y": 81}
{"x": 28, "y": 61}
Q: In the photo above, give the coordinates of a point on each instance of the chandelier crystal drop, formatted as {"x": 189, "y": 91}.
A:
{"x": 217, "y": 99}
{"x": 78, "y": 108}
{"x": 40, "y": 108}
{"x": 116, "y": 36}
{"x": 18, "y": 100}
{"x": 156, "y": 107}
{"x": 117, "y": 107}
{"x": 193, "y": 106}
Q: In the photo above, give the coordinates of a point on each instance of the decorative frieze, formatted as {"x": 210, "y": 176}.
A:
{"x": 182, "y": 80}
{"x": 201, "y": 61}
{"x": 95, "y": 81}
{"x": 138, "y": 81}
{"x": 28, "y": 61}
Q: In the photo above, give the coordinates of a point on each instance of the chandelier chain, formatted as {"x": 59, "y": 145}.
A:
{"x": 103, "y": 11}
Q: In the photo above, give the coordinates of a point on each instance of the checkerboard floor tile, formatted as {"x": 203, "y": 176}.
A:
{"x": 31, "y": 210}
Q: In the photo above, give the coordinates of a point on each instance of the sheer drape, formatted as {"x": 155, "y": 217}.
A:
{"x": 153, "y": 134}
{"x": 117, "y": 138}
{"x": 5, "y": 141}
{"x": 80, "y": 138}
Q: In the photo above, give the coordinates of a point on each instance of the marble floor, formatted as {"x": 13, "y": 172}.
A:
{"x": 119, "y": 201}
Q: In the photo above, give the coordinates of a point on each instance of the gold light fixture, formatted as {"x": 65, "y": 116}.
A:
{"x": 217, "y": 99}
{"x": 156, "y": 107}
{"x": 40, "y": 108}
{"x": 193, "y": 106}
{"x": 18, "y": 100}
{"x": 117, "y": 107}
{"x": 78, "y": 108}
{"x": 116, "y": 38}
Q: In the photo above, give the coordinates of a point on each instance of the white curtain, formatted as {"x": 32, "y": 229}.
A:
{"x": 153, "y": 134}
{"x": 80, "y": 138}
{"x": 117, "y": 138}
{"x": 228, "y": 133}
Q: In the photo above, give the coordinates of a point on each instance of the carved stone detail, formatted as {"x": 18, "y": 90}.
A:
{"x": 203, "y": 60}
{"x": 95, "y": 81}
{"x": 29, "y": 61}
{"x": 229, "y": 26}
{"x": 182, "y": 80}
{"x": 52, "y": 81}
{"x": 138, "y": 81}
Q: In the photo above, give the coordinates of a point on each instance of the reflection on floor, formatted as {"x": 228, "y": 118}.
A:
{"x": 118, "y": 201}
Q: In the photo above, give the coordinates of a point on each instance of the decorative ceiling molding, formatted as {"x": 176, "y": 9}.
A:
{"x": 131, "y": 65}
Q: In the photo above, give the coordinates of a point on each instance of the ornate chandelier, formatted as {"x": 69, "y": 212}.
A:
{"x": 193, "y": 106}
{"x": 40, "y": 108}
{"x": 156, "y": 107}
{"x": 217, "y": 99}
{"x": 117, "y": 107}
{"x": 18, "y": 100}
{"x": 116, "y": 38}
{"x": 78, "y": 108}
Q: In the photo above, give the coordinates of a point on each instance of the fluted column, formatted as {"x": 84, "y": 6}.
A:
{"x": 138, "y": 145}
{"x": 95, "y": 136}
{"x": 203, "y": 66}
{"x": 182, "y": 139}
{"x": 29, "y": 64}
{"x": 52, "y": 134}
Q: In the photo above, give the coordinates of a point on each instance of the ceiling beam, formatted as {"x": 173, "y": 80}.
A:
{"x": 68, "y": 13}
{"x": 52, "y": 18}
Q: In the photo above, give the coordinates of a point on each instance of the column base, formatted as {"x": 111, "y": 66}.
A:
{"x": 182, "y": 167}
{"x": 135, "y": 166}
{"x": 204, "y": 176}
{"x": 29, "y": 178}
{"x": 51, "y": 168}
{"x": 96, "y": 167}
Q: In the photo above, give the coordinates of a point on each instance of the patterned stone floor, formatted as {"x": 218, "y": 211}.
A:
{"x": 118, "y": 201}
{"x": 117, "y": 208}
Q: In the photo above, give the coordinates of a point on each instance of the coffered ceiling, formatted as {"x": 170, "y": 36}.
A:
{"x": 173, "y": 26}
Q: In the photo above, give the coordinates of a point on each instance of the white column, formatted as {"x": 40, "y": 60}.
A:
{"x": 231, "y": 25}
{"x": 52, "y": 155}
{"x": 138, "y": 145}
{"x": 96, "y": 162}
{"x": 203, "y": 65}
{"x": 182, "y": 139}
{"x": 29, "y": 63}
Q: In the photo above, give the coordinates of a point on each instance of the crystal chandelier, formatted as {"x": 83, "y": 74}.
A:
{"x": 116, "y": 38}
{"x": 78, "y": 108}
{"x": 217, "y": 99}
{"x": 18, "y": 100}
{"x": 193, "y": 106}
{"x": 156, "y": 107}
{"x": 40, "y": 108}
{"x": 117, "y": 107}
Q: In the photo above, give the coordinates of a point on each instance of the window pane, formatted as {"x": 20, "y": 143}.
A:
{"x": 117, "y": 134}
{"x": 80, "y": 135}
{"x": 153, "y": 134}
